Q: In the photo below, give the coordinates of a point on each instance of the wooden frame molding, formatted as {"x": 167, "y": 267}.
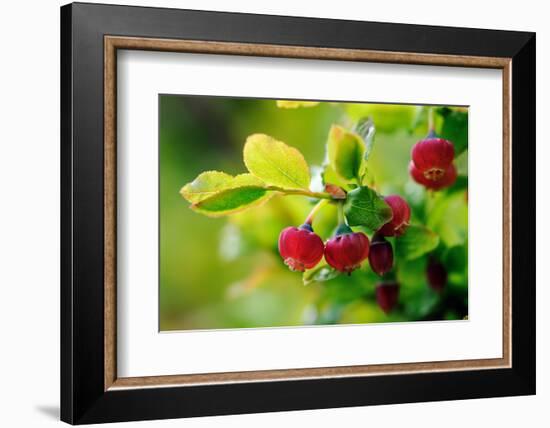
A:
{"x": 113, "y": 43}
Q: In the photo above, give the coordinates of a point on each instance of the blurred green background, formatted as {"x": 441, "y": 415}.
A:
{"x": 227, "y": 273}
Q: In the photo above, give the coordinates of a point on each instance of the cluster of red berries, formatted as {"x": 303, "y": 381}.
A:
{"x": 302, "y": 249}
{"x": 432, "y": 163}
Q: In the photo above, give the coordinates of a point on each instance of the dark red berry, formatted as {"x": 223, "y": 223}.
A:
{"x": 446, "y": 180}
{"x": 401, "y": 216}
{"x": 387, "y": 295}
{"x": 432, "y": 156}
{"x": 346, "y": 251}
{"x": 380, "y": 255}
{"x": 436, "y": 275}
{"x": 300, "y": 247}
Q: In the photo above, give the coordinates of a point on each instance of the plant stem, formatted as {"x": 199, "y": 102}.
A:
{"x": 341, "y": 216}
{"x": 431, "y": 119}
{"x": 303, "y": 192}
{"x": 315, "y": 210}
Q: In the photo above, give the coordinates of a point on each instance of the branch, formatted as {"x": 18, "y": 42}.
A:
{"x": 303, "y": 192}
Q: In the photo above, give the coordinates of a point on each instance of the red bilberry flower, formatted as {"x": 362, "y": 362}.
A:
{"x": 387, "y": 295}
{"x": 432, "y": 156}
{"x": 380, "y": 255}
{"x": 436, "y": 275}
{"x": 446, "y": 180}
{"x": 300, "y": 247}
{"x": 401, "y": 216}
{"x": 346, "y": 251}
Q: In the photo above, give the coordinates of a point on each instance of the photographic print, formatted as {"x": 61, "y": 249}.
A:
{"x": 287, "y": 213}
{"x": 281, "y": 213}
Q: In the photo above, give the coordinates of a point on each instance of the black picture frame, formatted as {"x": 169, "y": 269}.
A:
{"x": 83, "y": 396}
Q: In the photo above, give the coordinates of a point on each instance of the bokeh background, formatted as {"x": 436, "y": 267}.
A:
{"x": 227, "y": 273}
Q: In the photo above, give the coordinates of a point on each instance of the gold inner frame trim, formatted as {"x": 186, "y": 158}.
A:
{"x": 113, "y": 43}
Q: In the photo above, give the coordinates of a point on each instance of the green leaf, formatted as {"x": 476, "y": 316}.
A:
{"x": 329, "y": 176}
{"x": 455, "y": 259}
{"x": 321, "y": 273}
{"x": 454, "y": 128}
{"x": 449, "y": 217}
{"x": 209, "y": 183}
{"x": 231, "y": 201}
{"x": 366, "y": 130}
{"x": 417, "y": 241}
{"x": 296, "y": 104}
{"x": 205, "y": 185}
{"x": 345, "y": 152}
{"x": 461, "y": 163}
{"x": 419, "y": 124}
{"x": 275, "y": 162}
{"x": 365, "y": 207}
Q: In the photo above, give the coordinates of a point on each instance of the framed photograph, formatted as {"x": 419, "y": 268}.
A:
{"x": 265, "y": 213}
